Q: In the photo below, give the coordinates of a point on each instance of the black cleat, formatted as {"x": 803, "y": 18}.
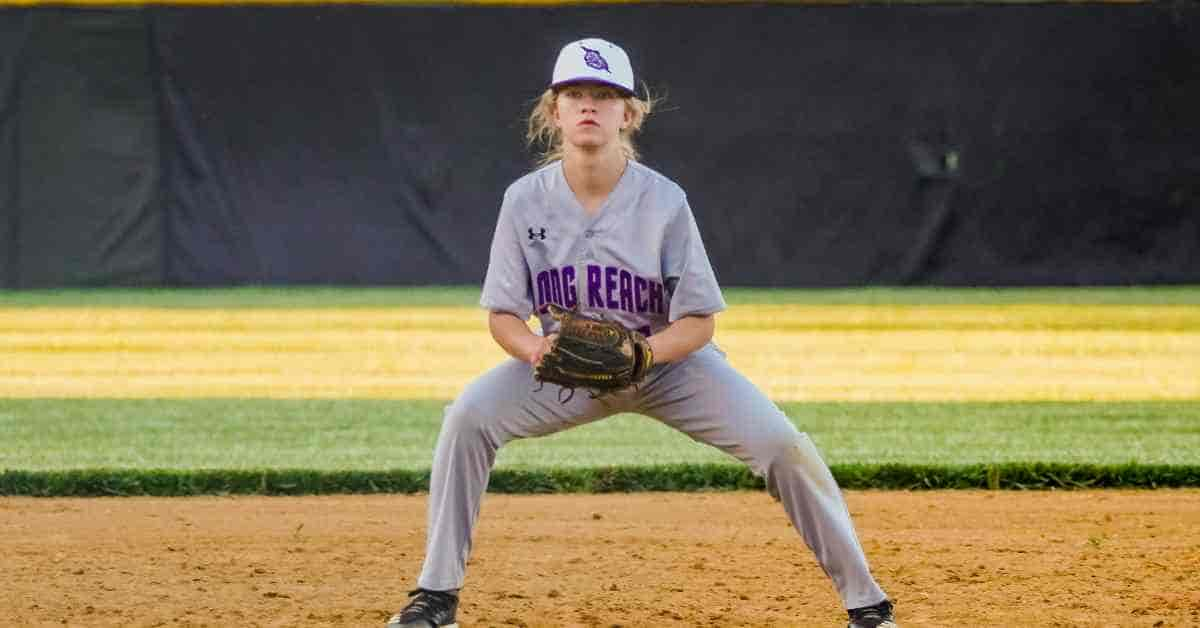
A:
{"x": 428, "y": 609}
{"x": 877, "y": 616}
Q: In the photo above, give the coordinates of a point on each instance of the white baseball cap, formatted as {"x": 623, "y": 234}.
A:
{"x": 594, "y": 60}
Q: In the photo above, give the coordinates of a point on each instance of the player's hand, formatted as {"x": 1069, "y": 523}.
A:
{"x": 543, "y": 347}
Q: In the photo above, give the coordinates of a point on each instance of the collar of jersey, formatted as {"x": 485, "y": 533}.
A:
{"x": 611, "y": 208}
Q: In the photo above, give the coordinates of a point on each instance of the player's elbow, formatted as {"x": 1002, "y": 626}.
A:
{"x": 510, "y": 332}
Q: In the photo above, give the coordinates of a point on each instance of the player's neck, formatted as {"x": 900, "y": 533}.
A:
{"x": 593, "y": 175}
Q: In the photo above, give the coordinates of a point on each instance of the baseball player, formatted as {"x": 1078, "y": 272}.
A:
{"x": 594, "y": 230}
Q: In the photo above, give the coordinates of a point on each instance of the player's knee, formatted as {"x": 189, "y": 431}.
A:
{"x": 796, "y": 461}
{"x": 790, "y": 454}
{"x": 779, "y": 446}
{"x": 466, "y": 422}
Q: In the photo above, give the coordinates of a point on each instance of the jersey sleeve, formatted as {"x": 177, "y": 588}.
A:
{"x": 507, "y": 288}
{"x": 688, "y": 274}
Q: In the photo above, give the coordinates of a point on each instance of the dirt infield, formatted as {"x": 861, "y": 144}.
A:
{"x": 1110, "y": 558}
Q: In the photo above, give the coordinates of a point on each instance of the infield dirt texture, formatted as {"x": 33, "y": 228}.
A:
{"x": 963, "y": 558}
{"x": 950, "y": 558}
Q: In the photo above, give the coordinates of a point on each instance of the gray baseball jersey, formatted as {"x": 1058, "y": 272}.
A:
{"x": 638, "y": 260}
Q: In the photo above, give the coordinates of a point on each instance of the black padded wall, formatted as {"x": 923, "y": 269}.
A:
{"x": 85, "y": 152}
{"x": 820, "y": 146}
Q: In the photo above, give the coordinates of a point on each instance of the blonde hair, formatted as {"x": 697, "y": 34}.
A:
{"x": 543, "y": 133}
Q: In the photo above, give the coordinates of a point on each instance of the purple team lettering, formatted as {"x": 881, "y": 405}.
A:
{"x": 608, "y": 287}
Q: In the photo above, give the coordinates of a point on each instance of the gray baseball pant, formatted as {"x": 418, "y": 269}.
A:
{"x": 702, "y": 396}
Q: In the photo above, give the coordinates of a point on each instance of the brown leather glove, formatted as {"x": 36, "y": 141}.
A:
{"x": 600, "y": 355}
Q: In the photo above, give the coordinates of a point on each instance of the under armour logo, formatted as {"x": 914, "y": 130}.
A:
{"x": 537, "y": 235}
{"x": 593, "y": 59}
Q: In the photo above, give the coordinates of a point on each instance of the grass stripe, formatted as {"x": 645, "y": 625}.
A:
{"x": 378, "y": 435}
{"x": 61, "y": 324}
{"x": 255, "y": 297}
{"x": 794, "y": 352}
{"x": 703, "y": 477}
{"x": 468, "y": 296}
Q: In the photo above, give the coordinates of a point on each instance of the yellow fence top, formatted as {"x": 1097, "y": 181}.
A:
{"x": 521, "y": 3}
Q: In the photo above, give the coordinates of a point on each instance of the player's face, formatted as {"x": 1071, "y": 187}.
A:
{"x": 590, "y": 115}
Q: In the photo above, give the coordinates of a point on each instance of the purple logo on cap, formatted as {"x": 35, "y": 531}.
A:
{"x": 593, "y": 59}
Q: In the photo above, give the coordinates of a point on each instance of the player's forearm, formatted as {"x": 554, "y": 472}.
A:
{"x": 514, "y": 336}
{"x": 682, "y": 337}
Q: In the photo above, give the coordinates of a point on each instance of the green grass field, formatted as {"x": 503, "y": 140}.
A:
{"x": 921, "y": 378}
{"x": 45, "y": 434}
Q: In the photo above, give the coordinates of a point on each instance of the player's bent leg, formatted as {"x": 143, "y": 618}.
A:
{"x": 500, "y": 406}
{"x": 707, "y": 399}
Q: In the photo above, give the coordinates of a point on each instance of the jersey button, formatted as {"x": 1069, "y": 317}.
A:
{"x": 589, "y": 233}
